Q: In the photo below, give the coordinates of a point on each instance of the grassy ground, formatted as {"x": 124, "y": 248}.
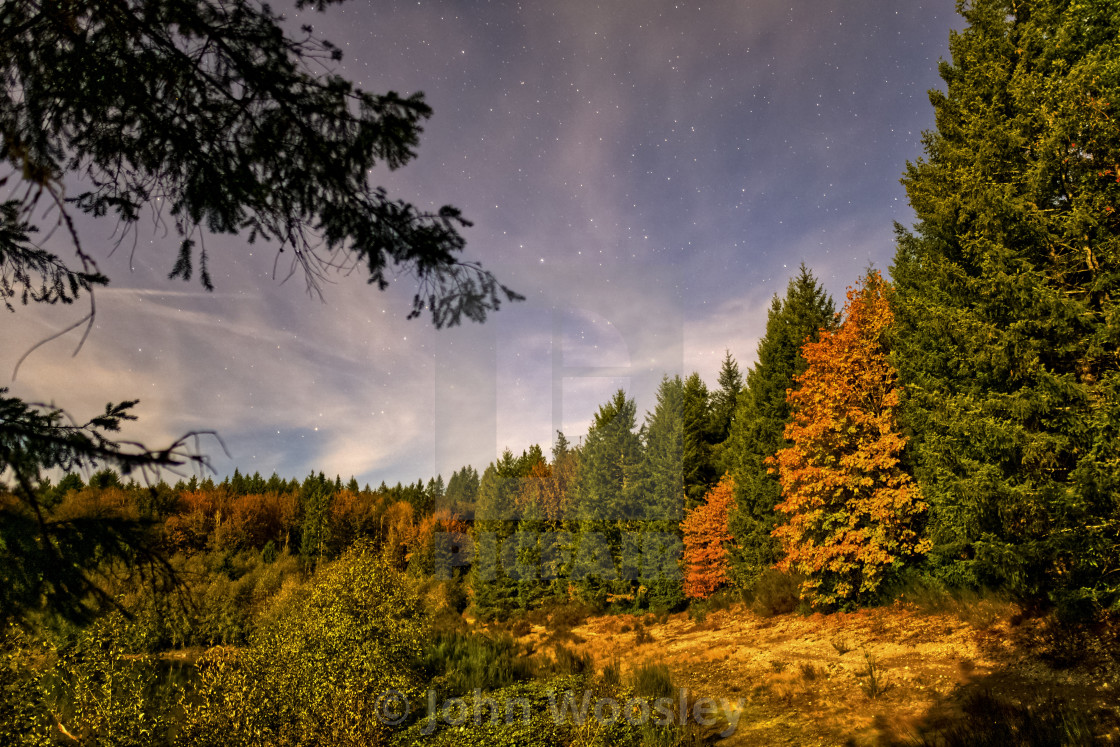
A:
{"x": 973, "y": 673}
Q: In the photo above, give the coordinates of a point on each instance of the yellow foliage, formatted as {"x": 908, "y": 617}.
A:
{"x": 852, "y": 510}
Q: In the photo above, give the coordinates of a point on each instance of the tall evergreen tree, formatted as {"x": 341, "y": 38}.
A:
{"x": 696, "y": 421}
{"x": 494, "y": 586}
{"x": 724, "y": 399}
{"x": 462, "y": 491}
{"x": 761, "y": 416}
{"x": 1008, "y": 327}
{"x": 606, "y": 496}
{"x": 315, "y": 534}
{"x": 664, "y": 473}
{"x": 435, "y": 491}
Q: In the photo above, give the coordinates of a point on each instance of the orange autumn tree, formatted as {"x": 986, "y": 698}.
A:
{"x": 853, "y": 512}
{"x": 705, "y": 532}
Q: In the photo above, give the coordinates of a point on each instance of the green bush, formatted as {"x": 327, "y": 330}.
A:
{"x": 775, "y": 593}
{"x": 569, "y": 661}
{"x": 458, "y": 663}
{"x": 557, "y": 712}
{"x": 24, "y": 716}
{"x": 318, "y": 671}
{"x": 106, "y": 696}
{"x": 472, "y": 721}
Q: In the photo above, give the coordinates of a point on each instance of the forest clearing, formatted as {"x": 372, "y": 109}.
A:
{"x": 804, "y": 679}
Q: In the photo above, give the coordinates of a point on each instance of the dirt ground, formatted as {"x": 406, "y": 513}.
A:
{"x": 872, "y": 677}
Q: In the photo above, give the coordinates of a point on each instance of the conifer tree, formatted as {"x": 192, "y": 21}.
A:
{"x": 495, "y": 590}
{"x": 696, "y": 417}
{"x": 663, "y": 470}
{"x": 723, "y": 402}
{"x": 501, "y": 554}
{"x": 1007, "y": 303}
{"x": 760, "y": 419}
{"x": 724, "y": 399}
{"x": 462, "y": 491}
{"x": 664, "y": 473}
{"x": 606, "y": 495}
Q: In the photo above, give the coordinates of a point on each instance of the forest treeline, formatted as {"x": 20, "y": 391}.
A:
{"x": 953, "y": 424}
{"x": 804, "y": 472}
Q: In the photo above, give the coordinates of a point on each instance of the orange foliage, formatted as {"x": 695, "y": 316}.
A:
{"x": 354, "y": 515}
{"x": 852, "y": 509}
{"x": 399, "y": 531}
{"x": 705, "y": 534}
{"x": 101, "y": 503}
{"x": 546, "y": 487}
{"x": 258, "y": 518}
{"x": 410, "y": 537}
{"x": 199, "y": 514}
{"x": 427, "y": 527}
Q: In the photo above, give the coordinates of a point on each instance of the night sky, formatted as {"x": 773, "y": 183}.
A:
{"x": 648, "y": 174}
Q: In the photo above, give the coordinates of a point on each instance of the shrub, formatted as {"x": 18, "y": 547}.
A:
{"x": 809, "y": 672}
{"x": 24, "y": 716}
{"x": 107, "y": 696}
{"x": 612, "y": 673}
{"x": 558, "y": 712}
{"x": 458, "y": 663}
{"x": 871, "y": 678}
{"x": 569, "y": 661}
{"x": 315, "y": 673}
{"x": 775, "y": 593}
{"x": 653, "y": 680}
{"x": 989, "y": 721}
{"x": 569, "y": 615}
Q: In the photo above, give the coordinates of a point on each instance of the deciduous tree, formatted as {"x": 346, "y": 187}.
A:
{"x": 706, "y": 536}
{"x": 761, "y": 417}
{"x": 852, "y": 511}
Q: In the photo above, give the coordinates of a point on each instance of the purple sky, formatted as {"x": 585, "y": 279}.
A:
{"x": 648, "y": 174}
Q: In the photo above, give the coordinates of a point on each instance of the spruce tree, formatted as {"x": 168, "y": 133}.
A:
{"x": 696, "y": 420}
{"x": 606, "y": 497}
{"x": 724, "y": 400}
{"x": 462, "y": 492}
{"x": 1007, "y": 336}
{"x": 493, "y": 575}
{"x": 760, "y": 419}
{"x": 664, "y": 472}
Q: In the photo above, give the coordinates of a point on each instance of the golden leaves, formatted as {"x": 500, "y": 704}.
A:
{"x": 850, "y": 505}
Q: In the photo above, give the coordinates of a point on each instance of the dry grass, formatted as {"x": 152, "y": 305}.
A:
{"x": 800, "y": 683}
